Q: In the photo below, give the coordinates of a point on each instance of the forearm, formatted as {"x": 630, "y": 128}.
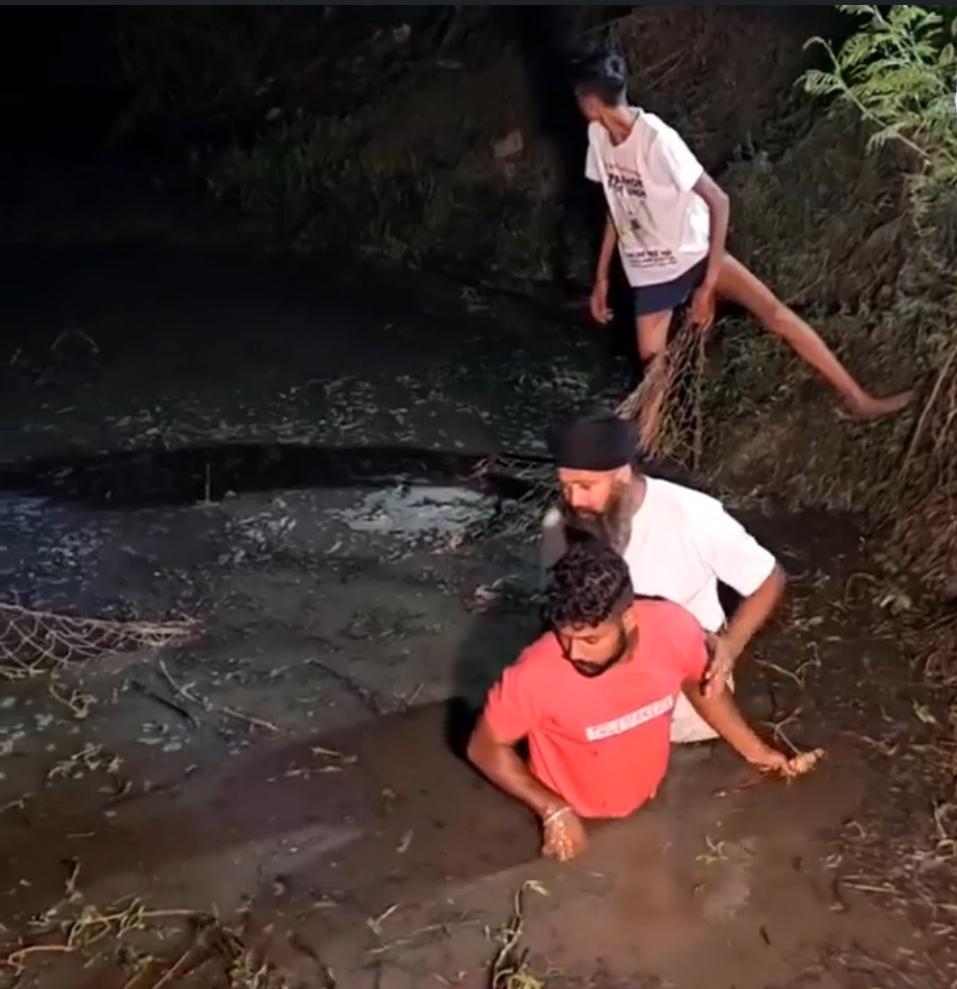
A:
{"x": 722, "y": 714}
{"x": 720, "y": 210}
{"x": 503, "y": 767}
{"x": 608, "y": 241}
{"x": 754, "y": 612}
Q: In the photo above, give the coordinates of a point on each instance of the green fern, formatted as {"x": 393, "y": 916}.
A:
{"x": 899, "y": 72}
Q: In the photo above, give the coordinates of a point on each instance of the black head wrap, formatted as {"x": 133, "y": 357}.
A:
{"x": 600, "y": 441}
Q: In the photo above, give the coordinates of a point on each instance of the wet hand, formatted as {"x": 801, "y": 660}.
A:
{"x": 598, "y": 302}
{"x": 702, "y": 308}
{"x": 769, "y": 760}
{"x": 721, "y": 660}
{"x": 564, "y": 836}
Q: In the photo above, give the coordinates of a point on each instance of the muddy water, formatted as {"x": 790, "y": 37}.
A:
{"x": 717, "y": 879}
{"x": 184, "y": 476}
{"x": 262, "y": 484}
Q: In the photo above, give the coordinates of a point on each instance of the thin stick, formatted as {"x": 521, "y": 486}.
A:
{"x": 257, "y": 722}
{"x": 166, "y": 702}
{"x": 174, "y": 969}
{"x": 925, "y": 413}
{"x": 177, "y": 689}
{"x": 15, "y": 959}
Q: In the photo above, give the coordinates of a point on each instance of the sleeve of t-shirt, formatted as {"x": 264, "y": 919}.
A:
{"x": 676, "y": 159}
{"x": 591, "y": 161}
{"x": 591, "y": 157}
{"x": 509, "y": 708}
{"x": 734, "y": 555}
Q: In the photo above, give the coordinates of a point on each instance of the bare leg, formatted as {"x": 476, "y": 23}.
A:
{"x": 739, "y": 285}
{"x": 652, "y": 331}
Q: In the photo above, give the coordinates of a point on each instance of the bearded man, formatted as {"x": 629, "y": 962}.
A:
{"x": 593, "y": 698}
{"x": 678, "y": 544}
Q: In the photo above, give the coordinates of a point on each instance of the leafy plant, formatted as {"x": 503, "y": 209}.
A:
{"x": 899, "y": 72}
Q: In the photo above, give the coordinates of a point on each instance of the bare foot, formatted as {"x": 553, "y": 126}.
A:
{"x": 868, "y": 408}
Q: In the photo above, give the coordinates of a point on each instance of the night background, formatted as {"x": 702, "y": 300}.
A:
{"x": 289, "y": 296}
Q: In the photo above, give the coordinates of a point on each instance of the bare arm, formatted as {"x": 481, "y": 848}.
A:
{"x": 720, "y": 207}
{"x": 753, "y": 612}
{"x": 608, "y": 241}
{"x": 501, "y": 764}
{"x": 722, "y": 714}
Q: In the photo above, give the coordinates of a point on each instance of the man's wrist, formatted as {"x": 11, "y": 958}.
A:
{"x": 757, "y": 752}
{"x": 552, "y": 806}
{"x": 733, "y": 647}
{"x": 555, "y": 815}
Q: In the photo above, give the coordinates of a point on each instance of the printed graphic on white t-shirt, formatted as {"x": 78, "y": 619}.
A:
{"x": 661, "y": 222}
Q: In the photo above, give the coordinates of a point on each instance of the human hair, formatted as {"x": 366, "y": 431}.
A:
{"x": 587, "y": 585}
{"x": 603, "y": 74}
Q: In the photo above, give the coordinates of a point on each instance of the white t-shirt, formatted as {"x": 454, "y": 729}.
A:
{"x": 662, "y": 223}
{"x": 682, "y": 543}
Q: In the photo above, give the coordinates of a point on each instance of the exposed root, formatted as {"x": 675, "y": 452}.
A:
{"x": 509, "y": 969}
{"x": 81, "y": 926}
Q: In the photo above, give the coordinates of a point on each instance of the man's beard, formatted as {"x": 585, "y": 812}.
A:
{"x": 592, "y": 670}
{"x": 612, "y": 526}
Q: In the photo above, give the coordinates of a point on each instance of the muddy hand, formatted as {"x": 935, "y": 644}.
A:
{"x": 769, "y": 760}
{"x": 772, "y": 761}
{"x": 804, "y": 762}
{"x": 563, "y": 835}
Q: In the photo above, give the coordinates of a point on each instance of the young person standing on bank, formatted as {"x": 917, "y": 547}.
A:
{"x": 669, "y": 220}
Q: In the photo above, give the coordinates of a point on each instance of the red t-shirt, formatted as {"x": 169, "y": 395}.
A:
{"x": 602, "y": 742}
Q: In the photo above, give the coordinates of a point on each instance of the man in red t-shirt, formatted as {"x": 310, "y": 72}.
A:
{"x": 594, "y": 696}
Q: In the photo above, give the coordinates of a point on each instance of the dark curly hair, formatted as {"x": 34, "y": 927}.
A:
{"x": 586, "y": 586}
{"x": 603, "y": 74}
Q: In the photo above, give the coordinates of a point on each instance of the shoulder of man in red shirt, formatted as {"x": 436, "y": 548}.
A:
{"x": 678, "y": 630}
{"x": 513, "y": 705}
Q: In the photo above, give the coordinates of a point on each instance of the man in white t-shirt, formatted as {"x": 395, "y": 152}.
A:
{"x": 670, "y": 221}
{"x": 678, "y": 544}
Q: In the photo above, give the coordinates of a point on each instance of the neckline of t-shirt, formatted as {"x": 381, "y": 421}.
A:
{"x": 636, "y": 119}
